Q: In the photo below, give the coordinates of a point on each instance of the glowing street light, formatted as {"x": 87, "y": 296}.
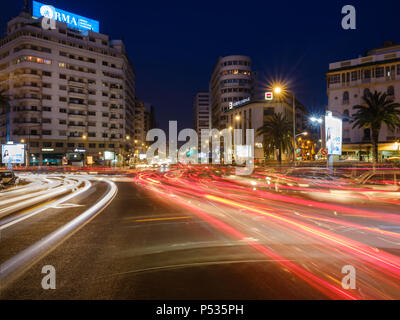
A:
{"x": 302, "y": 134}
{"x": 277, "y": 90}
{"x": 314, "y": 119}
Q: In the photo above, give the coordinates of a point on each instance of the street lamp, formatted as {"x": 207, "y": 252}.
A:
{"x": 320, "y": 121}
{"x": 302, "y": 134}
{"x": 278, "y": 90}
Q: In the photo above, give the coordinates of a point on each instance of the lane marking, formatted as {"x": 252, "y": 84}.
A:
{"x": 67, "y": 205}
{"x": 15, "y": 266}
{"x": 161, "y": 219}
{"x": 41, "y": 208}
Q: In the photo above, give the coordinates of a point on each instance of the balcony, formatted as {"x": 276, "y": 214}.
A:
{"x": 78, "y": 116}
{"x": 76, "y": 83}
{"x": 28, "y": 123}
{"x": 81, "y": 106}
{"x": 73, "y": 93}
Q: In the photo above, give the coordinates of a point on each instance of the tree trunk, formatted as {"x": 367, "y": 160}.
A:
{"x": 279, "y": 157}
{"x": 280, "y": 154}
{"x": 375, "y": 139}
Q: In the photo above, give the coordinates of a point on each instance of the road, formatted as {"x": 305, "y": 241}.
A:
{"x": 202, "y": 233}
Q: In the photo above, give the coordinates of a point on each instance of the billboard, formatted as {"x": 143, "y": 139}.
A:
{"x": 12, "y": 153}
{"x": 71, "y": 19}
{"x": 333, "y": 135}
{"x": 109, "y": 155}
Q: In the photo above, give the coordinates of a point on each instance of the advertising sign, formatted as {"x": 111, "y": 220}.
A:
{"x": 109, "y": 155}
{"x": 71, "y": 19}
{"x": 12, "y": 153}
{"x": 333, "y": 135}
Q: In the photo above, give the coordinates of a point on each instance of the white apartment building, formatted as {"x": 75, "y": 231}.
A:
{"x": 253, "y": 115}
{"x": 232, "y": 80}
{"x": 201, "y": 110}
{"x": 347, "y": 82}
{"x": 72, "y": 94}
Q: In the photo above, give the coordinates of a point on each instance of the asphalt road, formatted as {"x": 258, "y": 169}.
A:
{"x": 120, "y": 255}
{"x": 203, "y": 234}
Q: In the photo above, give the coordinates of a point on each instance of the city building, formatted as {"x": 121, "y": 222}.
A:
{"x": 348, "y": 81}
{"x": 232, "y": 80}
{"x": 253, "y": 115}
{"x": 71, "y": 92}
{"x": 201, "y": 111}
{"x": 149, "y": 119}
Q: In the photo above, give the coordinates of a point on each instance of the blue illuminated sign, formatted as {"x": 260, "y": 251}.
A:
{"x": 71, "y": 19}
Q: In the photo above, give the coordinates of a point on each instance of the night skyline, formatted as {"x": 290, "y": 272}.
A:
{"x": 174, "y": 46}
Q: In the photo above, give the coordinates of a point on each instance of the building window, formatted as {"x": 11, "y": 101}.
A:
{"x": 345, "y": 97}
{"x": 390, "y": 91}
{"x": 379, "y": 72}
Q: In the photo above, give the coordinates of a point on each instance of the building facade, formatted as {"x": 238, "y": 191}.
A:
{"x": 232, "y": 80}
{"x": 71, "y": 93}
{"x": 348, "y": 81}
{"x": 253, "y": 115}
{"x": 201, "y": 111}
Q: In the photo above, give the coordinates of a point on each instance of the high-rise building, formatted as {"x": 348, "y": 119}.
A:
{"x": 348, "y": 81}
{"x": 71, "y": 92}
{"x": 232, "y": 81}
{"x": 140, "y": 128}
{"x": 149, "y": 119}
{"x": 201, "y": 110}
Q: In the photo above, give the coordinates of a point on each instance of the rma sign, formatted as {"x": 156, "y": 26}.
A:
{"x": 72, "y": 20}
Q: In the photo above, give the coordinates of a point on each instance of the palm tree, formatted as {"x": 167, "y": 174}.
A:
{"x": 377, "y": 109}
{"x": 277, "y": 134}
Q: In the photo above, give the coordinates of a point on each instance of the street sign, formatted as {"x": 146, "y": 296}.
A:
{"x": 269, "y": 96}
{"x": 324, "y": 151}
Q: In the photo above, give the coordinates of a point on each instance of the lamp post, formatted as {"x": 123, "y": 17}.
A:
{"x": 319, "y": 121}
{"x": 84, "y": 137}
{"x": 238, "y": 118}
{"x": 278, "y": 90}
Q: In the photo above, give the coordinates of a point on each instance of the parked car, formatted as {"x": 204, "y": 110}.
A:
{"x": 7, "y": 177}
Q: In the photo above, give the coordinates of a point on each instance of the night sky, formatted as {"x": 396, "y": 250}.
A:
{"x": 174, "y": 46}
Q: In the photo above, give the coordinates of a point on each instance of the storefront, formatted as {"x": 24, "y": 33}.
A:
{"x": 52, "y": 159}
